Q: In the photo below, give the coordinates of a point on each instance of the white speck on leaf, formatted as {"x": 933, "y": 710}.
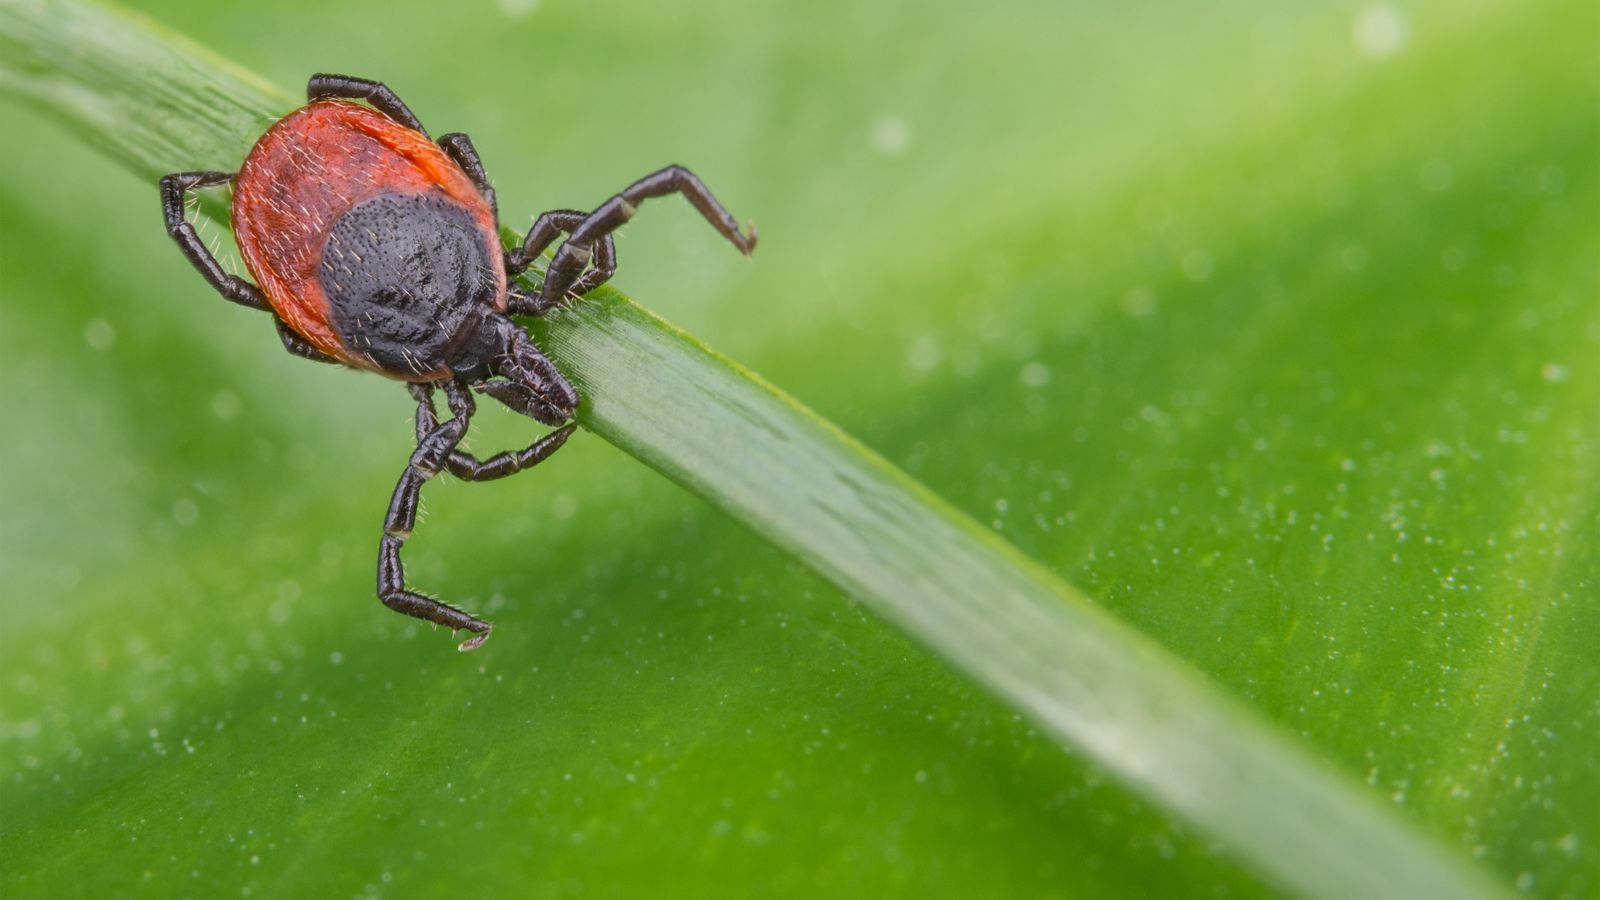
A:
{"x": 1379, "y": 31}
{"x": 891, "y": 136}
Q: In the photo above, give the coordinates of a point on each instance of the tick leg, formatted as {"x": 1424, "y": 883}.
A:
{"x": 430, "y": 456}
{"x": 303, "y": 348}
{"x": 459, "y": 147}
{"x": 574, "y": 255}
{"x": 173, "y": 189}
{"x": 467, "y": 467}
{"x": 345, "y": 87}
{"x": 546, "y": 228}
{"x": 529, "y": 383}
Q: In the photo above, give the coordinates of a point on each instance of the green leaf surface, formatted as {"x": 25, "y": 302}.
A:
{"x": 1313, "y": 407}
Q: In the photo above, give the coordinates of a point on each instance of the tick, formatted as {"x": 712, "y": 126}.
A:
{"x": 375, "y": 247}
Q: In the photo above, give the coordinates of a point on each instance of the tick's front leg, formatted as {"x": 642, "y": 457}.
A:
{"x": 574, "y": 255}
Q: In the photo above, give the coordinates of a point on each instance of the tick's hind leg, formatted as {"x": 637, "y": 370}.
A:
{"x": 302, "y": 348}
{"x": 430, "y": 457}
{"x": 573, "y": 257}
{"x": 467, "y": 467}
{"x": 173, "y": 189}
{"x": 345, "y": 87}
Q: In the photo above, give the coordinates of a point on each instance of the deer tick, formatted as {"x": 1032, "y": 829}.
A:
{"x": 375, "y": 247}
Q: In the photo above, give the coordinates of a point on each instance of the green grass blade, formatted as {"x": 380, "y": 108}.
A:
{"x": 157, "y": 103}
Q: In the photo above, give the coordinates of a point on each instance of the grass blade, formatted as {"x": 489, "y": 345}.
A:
{"x": 156, "y": 103}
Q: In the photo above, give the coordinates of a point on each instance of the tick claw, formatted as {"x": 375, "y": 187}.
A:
{"x": 474, "y": 642}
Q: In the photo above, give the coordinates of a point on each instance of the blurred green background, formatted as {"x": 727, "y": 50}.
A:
{"x": 1275, "y": 329}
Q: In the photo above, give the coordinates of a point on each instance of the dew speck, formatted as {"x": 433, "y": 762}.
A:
{"x": 1353, "y": 258}
{"x": 1139, "y": 302}
{"x": 1436, "y": 176}
{"x": 1035, "y": 374}
{"x": 1196, "y": 265}
{"x": 1379, "y": 31}
{"x": 185, "y": 512}
{"x": 924, "y": 354}
{"x": 99, "y": 335}
{"x": 1555, "y": 373}
{"x": 891, "y": 136}
{"x": 564, "y": 506}
{"x": 225, "y": 405}
{"x": 1552, "y": 180}
{"x": 518, "y": 8}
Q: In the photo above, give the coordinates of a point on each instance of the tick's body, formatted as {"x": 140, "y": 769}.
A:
{"x": 377, "y": 248}
{"x": 367, "y": 240}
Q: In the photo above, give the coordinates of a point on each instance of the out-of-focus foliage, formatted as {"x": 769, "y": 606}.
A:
{"x": 1277, "y": 331}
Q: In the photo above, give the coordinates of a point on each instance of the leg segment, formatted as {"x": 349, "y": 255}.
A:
{"x": 429, "y": 458}
{"x": 301, "y": 347}
{"x": 173, "y": 189}
{"x": 459, "y": 147}
{"x": 345, "y": 87}
{"x": 467, "y": 467}
{"x": 545, "y": 230}
{"x": 526, "y": 381}
{"x": 573, "y": 257}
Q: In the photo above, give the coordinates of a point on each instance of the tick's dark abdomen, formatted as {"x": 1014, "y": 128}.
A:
{"x": 407, "y": 278}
